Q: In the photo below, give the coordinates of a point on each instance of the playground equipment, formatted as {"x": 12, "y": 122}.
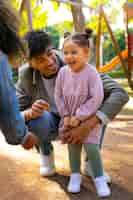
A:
{"x": 115, "y": 61}
{"x": 121, "y": 56}
{"x": 128, "y": 14}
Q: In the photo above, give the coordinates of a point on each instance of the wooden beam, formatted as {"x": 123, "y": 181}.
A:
{"x": 98, "y": 40}
{"x": 116, "y": 46}
{"x": 21, "y": 6}
{"x": 26, "y": 4}
{"x": 29, "y": 14}
{"x": 128, "y": 9}
{"x": 73, "y": 3}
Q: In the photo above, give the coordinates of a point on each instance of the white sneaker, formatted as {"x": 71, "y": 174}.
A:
{"x": 47, "y": 165}
{"x": 88, "y": 172}
{"x": 102, "y": 187}
{"x": 74, "y": 183}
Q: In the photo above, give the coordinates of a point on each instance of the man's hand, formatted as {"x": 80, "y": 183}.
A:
{"x": 78, "y": 135}
{"x": 37, "y": 109}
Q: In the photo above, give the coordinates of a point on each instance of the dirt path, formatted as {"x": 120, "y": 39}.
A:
{"x": 20, "y": 180}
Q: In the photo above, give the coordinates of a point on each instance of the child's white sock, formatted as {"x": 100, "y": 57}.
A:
{"x": 102, "y": 187}
{"x": 74, "y": 183}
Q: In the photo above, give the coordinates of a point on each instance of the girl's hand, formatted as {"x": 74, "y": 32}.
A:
{"x": 66, "y": 121}
{"x": 74, "y": 122}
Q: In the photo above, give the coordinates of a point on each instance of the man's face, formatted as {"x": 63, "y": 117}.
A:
{"x": 46, "y": 62}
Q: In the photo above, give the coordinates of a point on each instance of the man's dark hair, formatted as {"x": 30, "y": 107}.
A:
{"x": 10, "y": 43}
{"x": 38, "y": 41}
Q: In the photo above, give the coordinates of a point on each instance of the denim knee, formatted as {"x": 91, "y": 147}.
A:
{"x": 45, "y": 127}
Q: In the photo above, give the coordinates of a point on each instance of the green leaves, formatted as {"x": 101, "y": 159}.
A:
{"x": 95, "y": 3}
{"x": 56, "y": 5}
{"x": 39, "y": 16}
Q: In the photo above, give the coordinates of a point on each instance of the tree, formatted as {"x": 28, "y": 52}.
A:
{"x": 77, "y": 13}
{"x": 54, "y": 33}
{"x": 78, "y": 17}
{"x": 39, "y": 17}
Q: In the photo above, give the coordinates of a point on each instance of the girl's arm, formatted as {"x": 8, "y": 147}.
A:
{"x": 115, "y": 97}
{"x": 59, "y": 99}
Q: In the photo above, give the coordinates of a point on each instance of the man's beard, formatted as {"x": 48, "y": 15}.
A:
{"x": 52, "y": 75}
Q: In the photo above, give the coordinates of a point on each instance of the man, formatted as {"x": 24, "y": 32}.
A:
{"x": 35, "y": 90}
{"x": 11, "y": 122}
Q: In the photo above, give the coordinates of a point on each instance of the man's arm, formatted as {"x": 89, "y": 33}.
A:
{"x": 115, "y": 99}
{"x": 24, "y": 91}
{"x": 24, "y": 87}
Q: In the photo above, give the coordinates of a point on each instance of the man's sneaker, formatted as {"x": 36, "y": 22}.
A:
{"x": 47, "y": 165}
{"x": 74, "y": 183}
{"x": 88, "y": 172}
{"x": 102, "y": 187}
{"x": 29, "y": 141}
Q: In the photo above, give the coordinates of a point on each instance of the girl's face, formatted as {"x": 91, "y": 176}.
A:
{"x": 75, "y": 56}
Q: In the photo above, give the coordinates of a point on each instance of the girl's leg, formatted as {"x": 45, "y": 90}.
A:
{"x": 92, "y": 150}
{"x": 87, "y": 167}
{"x": 96, "y": 164}
{"x": 74, "y": 151}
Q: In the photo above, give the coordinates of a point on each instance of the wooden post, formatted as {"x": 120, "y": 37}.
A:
{"x": 116, "y": 46}
{"x": 98, "y": 40}
{"x": 26, "y": 3}
{"x": 78, "y": 17}
{"x": 29, "y": 14}
{"x": 21, "y": 6}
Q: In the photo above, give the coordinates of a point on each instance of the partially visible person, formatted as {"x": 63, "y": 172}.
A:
{"x": 78, "y": 95}
{"x": 37, "y": 81}
{"x": 12, "y": 123}
{"x": 66, "y": 34}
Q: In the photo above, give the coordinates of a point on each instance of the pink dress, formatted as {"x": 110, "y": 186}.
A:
{"x": 80, "y": 94}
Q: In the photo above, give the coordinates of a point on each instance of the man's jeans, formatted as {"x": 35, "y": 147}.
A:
{"x": 46, "y": 128}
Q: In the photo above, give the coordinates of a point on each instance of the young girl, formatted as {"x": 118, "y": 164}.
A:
{"x": 78, "y": 95}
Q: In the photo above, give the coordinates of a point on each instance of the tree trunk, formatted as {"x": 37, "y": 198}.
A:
{"x": 78, "y": 17}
